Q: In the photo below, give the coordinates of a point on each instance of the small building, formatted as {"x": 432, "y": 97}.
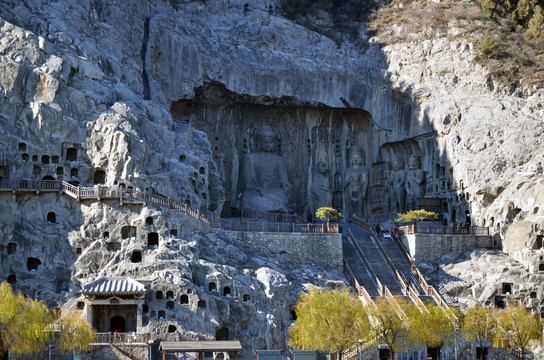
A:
{"x": 114, "y": 304}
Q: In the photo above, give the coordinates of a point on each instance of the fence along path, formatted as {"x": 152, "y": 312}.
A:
{"x": 136, "y": 196}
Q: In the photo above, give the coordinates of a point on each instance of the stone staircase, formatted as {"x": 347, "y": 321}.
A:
{"x": 127, "y": 350}
{"x": 358, "y": 268}
{"x": 363, "y": 240}
{"x": 402, "y": 265}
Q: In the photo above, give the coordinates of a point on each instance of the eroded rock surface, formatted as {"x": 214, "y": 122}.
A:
{"x": 163, "y": 97}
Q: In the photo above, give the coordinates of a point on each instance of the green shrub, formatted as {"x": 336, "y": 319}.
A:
{"x": 417, "y": 215}
{"x": 487, "y": 44}
{"x": 535, "y": 28}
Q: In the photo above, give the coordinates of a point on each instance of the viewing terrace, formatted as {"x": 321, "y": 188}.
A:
{"x": 244, "y": 221}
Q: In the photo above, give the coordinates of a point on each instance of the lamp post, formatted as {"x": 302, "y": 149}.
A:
{"x": 455, "y": 338}
{"x": 360, "y": 346}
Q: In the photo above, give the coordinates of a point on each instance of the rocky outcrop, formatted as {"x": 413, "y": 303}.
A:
{"x": 165, "y": 96}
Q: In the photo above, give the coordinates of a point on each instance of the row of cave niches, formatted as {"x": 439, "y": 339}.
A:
{"x": 501, "y": 301}
{"x": 43, "y": 162}
{"x": 47, "y": 167}
{"x": 127, "y": 232}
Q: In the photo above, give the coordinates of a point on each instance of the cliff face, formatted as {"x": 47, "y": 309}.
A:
{"x": 165, "y": 96}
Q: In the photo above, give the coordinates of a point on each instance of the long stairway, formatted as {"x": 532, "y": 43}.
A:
{"x": 401, "y": 263}
{"x": 358, "y": 268}
{"x": 377, "y": 262}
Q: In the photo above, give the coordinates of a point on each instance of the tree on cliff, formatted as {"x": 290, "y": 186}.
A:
{"x": 329, "y": 320}
{"x": 26, "y": 325}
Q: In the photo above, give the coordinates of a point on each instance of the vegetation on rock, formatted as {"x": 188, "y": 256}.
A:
{"x": 517, "y": 27}
{"x": 487, "y": 44}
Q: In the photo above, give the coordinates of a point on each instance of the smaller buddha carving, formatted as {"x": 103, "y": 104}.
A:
{"x": 397, "y": 184}
{"x": 415, "y": 182}
{"x": 356, "y": 183}
{"x": 321, "y": 187}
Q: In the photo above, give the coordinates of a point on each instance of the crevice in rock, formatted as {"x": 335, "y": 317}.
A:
{"x": 143, "y": 52}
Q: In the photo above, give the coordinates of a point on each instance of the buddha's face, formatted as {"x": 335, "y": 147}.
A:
{"x": 356, "y": 159}
{"x": 323, "y": 167}
{"x": 266, "y": 141}
{"x": 397, "y": 164}
{"x": 413, "y": 163}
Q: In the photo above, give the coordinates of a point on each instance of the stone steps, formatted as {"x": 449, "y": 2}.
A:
{"x": 377, "y": 262}
{"x": 358, "y": 268}
{"x": 400, "y": 262}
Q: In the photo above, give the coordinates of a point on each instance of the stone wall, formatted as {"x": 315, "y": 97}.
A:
{"x": 108, "y": 352}
{"x": 300, "y": 248}
{"x": 430, "y": 247}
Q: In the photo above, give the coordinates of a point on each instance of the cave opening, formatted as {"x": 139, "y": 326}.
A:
{"x": 305, "y": 135}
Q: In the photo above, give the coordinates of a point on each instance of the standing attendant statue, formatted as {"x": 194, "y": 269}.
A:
{"x": 415, "y": 182}
{"x": 263, "y": 184}
{"x": 356, "y": 184}
{"x": 321, "y": 187}
{"x": 397, "y": 183}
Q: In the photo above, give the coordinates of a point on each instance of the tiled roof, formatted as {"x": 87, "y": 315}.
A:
{"x": 197, "y": 346}
{"x": 114, "y": 286}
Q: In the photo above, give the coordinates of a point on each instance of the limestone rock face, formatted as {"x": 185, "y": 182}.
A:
{"x": 487, "y": 277}
{"x": 489, "y": 133}
{"x": 163, "y": 98}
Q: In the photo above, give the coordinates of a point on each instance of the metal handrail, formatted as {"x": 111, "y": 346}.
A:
{"x": 379, "y": 285}
{"x": 443, "y": 230}
{"x": 360, "y": 289}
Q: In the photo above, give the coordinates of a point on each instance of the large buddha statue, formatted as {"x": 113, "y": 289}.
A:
{"x": 263, "y": 184}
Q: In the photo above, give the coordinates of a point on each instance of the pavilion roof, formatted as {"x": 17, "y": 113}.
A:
{"x": 114, "y": 286}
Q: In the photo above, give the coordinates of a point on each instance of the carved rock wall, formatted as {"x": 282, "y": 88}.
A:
{"x": 306, "y": 136}
{"x": 129, "y": 86}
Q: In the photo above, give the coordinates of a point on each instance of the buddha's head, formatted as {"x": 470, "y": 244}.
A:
{"x": 264, "y": 138}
